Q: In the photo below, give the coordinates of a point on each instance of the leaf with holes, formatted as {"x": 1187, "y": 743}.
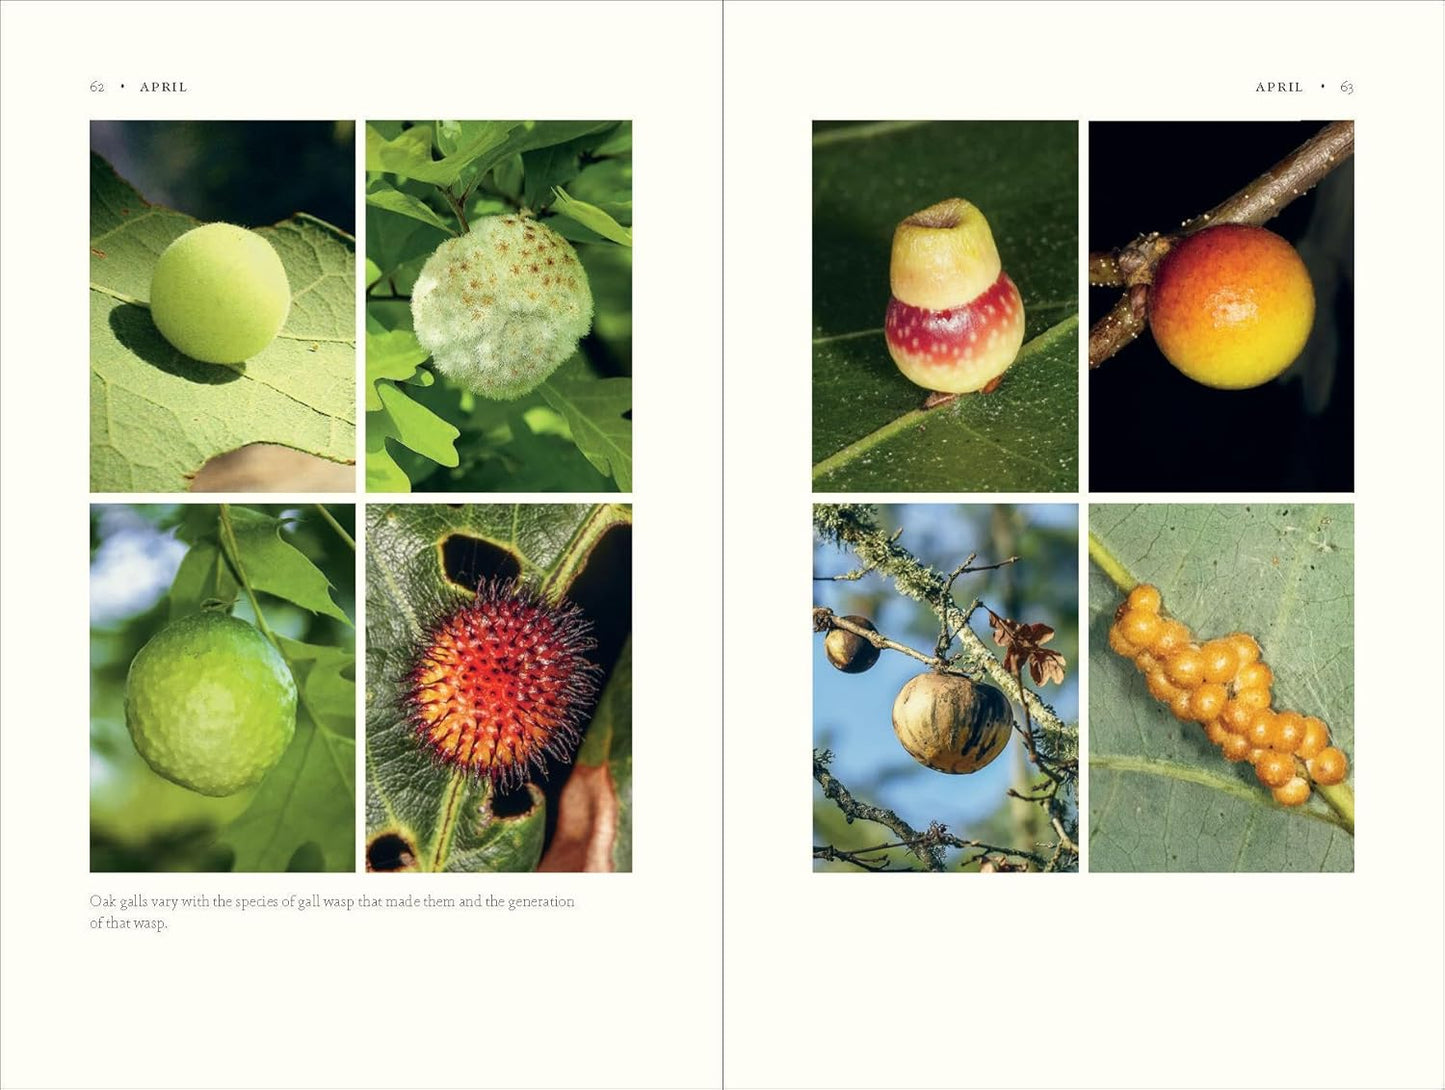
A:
{"x": 870, "y": 432}
{"x": 1160, "y": 795}
{"x": 422, "y": 561}
{"x": 156, "y": 416}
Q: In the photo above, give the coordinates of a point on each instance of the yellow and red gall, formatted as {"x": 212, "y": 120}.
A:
{"x": 955, "y": 321}
{"x": 503, "y": 682}
{"x": 1231, "y": 306}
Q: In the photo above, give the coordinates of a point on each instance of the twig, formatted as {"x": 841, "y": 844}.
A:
{"x": 854, "y": 809}
{"x": 824, "y": 619}
{"x": 331, "y": 521}
{"x": 1133, "y": 265}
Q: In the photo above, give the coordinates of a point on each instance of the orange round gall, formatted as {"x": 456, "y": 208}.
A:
{"x": 1289, "y": 731}
{"x": 1245, "y": 647}
{"x": 1328, "y": 766}
{"x": 1235, "y": 748}
{"x": 1186, "y": 667}
{"x": 1274, "y": 769}
{"x": 1207, "y": 702}
{"x": 1220, "y": 660}
{"x": 1293, "y": 793}
{"x": 1316, "y": 737}
{"x": 1173, "y": 637}
{"x": 1146, "y": 597}
{"x": 1119, "y": 644}
{"x": 1254, "y": 676}
{"x": 1231, "y": 306}
{"x": 1140, "y": 627}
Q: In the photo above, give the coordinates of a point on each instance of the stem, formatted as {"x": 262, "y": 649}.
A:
{"x": 1110, "y": 564}
{"x": 1341, "y": 797}
{"x": 233, "y": 554}
{"x": 331, "y": 521}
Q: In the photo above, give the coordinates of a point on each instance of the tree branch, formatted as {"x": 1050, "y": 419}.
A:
{"x": 1134, "y": 264}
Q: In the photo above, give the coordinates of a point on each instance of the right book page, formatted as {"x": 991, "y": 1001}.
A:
{"x": 1041, "y": 399}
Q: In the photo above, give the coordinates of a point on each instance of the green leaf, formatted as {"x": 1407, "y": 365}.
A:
{"x": 591, "y": 217}
{"x": 156, "y": 416}
{"x": 608, "y": 185}
{"x": 477, "y": 146}
{"x": 272, "y": 565}
{"x": 868, "y": 431}
{"x": 1160, "y": 795}
{"x": 617, "y": 142}
{"x": 308, "y": 800}
{"x": 392, "y": 354}
{"x": 380, "y": 194}
{"x": 382, "y": 472}
{"x": 594, "y": 409}
{"x": 445, "y": 816}
{"x": 415, "y": 426}
{"x": 399, "y": 246}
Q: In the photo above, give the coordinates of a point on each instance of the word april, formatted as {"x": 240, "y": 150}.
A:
{"x": 178, "y": 88}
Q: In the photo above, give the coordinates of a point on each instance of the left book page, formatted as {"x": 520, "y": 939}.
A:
{"x": 372, "y": 537}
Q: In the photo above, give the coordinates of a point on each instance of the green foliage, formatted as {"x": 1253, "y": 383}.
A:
{"x": 868, "y": 431}
{"x": 429, "y": 181}
{"x": 302, "y": 815}
{"x": 450, "y": 820}
{"x": 157, "y": 416}
{"x": 1160, "y": 795}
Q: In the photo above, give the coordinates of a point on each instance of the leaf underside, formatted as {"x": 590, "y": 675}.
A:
{"x": 1160, "y": 795}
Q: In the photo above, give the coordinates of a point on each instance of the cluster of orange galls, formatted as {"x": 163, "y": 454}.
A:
{"x": 1224, "y": 685}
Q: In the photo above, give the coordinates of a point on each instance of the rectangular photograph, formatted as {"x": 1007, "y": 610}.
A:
{"x": 222, "y": 306}
{"x": 956, "y": 624}
{"x": 1222, "y": 306}
{"x": 945, "y": 306}
{"x": 222, "y": 687}
{"x": 499, "y": 687}
{"x": 499, "y": 306}
{"x": 1221, "y": 687}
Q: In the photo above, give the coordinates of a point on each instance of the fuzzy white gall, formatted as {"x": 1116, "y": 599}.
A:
{"x": 501, "y": 307}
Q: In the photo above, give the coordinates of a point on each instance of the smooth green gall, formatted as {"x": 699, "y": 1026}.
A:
{"x": 210, "y": 704}
{"x": 501, "y": 307}
{"x": 219, "y": 294}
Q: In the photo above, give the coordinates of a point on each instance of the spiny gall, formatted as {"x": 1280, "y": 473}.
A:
{"x": 503, "y": 682}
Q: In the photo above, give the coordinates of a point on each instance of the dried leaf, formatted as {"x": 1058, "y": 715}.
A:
{"x": 1023, "y": 646}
